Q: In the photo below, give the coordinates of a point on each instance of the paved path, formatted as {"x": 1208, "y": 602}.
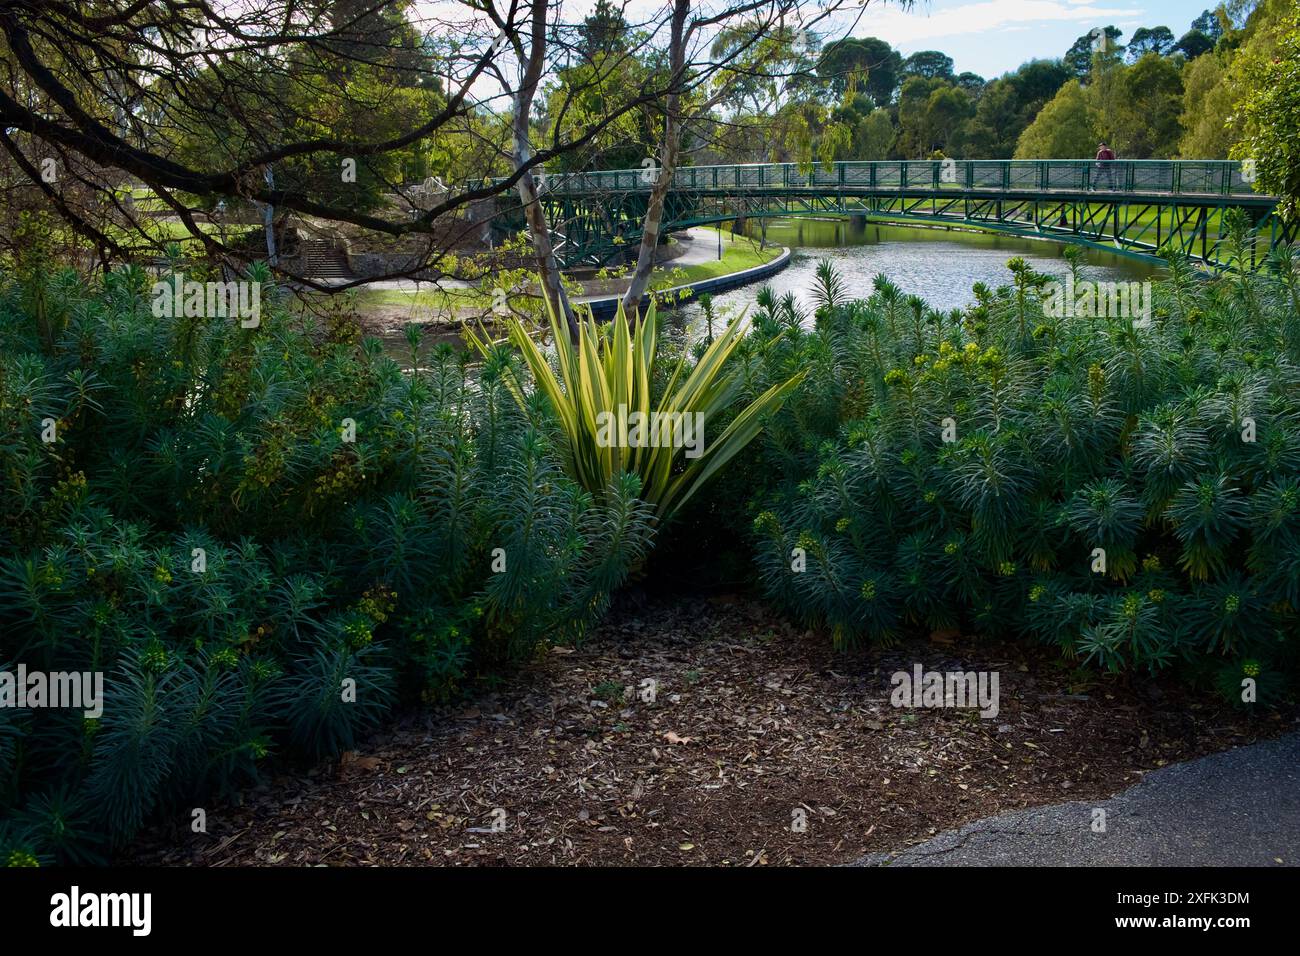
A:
{"x": 1239, "y": 808}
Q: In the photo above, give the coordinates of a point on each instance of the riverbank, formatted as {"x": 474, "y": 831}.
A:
{"x": 707, "y": 260}
{"x": 709, "y": 277}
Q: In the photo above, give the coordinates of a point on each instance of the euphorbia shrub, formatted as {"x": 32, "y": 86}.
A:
{"x": 264, "y": 539}
{"x": 1129, "y": 491}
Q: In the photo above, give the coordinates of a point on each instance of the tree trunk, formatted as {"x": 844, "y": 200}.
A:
{"x": 548, "y": 267}
{"x": 645, "y": 259}
{"x": 268, "y": 220}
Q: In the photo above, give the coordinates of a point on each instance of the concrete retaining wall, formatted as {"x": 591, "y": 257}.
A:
{"x": 607, "y": 306}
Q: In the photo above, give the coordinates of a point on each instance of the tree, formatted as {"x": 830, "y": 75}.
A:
{"x": 749, "y": 40}
{"x": 1208, "y": 98}
{"x": 972, "y": 83}
{"x": 930, "y": 64}
{"x": 1193, "y": 43}
{"x": 1157, "y": 40}
{"x": 931, "y": 117}
{"x": 1270, "y": 111}
{"x": 1009, "y": 104}
{"x": 913, "y": 100}
{"x": 1216, "y": 84}
{"x": 1139, "y": 110}
{"x": 1067, "y": 128}
{"x": 580, "y": 99}
{"x": 1079, "y": 58}
{"x": 318, "y": 110}
{"x": 874, "y": 136}
{"x": 1036, "y": 82}
{"x": 603, "y": 31}
{"x": 1209, "y": 24}
{"x": 946, "y": 113}
{"x": 997, "y": 124}
{"x": 870, "y": 65}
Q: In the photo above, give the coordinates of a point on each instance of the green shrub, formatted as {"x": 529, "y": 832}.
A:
{"x": 202, "y": 531}
{"x": 1071, "y": 434}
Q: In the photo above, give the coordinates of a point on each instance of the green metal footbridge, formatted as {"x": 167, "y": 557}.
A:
{"x": 1133, "y": 207}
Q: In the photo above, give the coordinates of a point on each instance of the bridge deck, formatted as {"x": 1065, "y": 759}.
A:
{"x": 1135, "y": 207}
{"x": 1204, "y": 180}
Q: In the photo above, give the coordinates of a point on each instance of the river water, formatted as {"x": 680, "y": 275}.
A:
{"x": 940, "y": 265}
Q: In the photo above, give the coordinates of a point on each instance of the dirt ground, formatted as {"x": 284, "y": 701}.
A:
{"x": 761, "y": 746}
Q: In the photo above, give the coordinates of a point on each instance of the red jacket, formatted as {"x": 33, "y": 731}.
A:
{"x": 1105, "y": 153}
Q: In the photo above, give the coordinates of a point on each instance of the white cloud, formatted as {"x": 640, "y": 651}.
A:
{"x": 902, "y": 28}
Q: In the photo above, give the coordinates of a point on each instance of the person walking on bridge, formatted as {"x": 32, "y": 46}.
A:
{"x": 1105, "y": 157}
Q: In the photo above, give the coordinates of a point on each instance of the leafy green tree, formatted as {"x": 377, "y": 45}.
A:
{"x": 1008, "y": 105}
{"x": 873, "y": 136}
{"x": 1067, "y": 128}
{"x": 972, "y": 83}
{"x": 1193, "y": 43}
{"x": 1270, "y": 112}
{"x": 1209, "y": 24}
{"x": 1216, "y": 84}
{"x": 932, "y": 116}
{"x": 1207, "y": 109}
{"x": 1139, "y": 110}
{"x": 364, "y": 33}
{"x": 1079, "y": 58}
{"x": 603, "y": 31}
{"x": 1036, "y": 82}
{"x": 582, "y": 98}
{"x": 868, "y": 64}
{"x": 913, "y": 103}
{"x": 997, "y": 123}
{"x": 931, "y": 64}
{"x": 1157, "y": 40}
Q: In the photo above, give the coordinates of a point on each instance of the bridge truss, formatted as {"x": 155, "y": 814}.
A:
{"x": 1134, "y": 207}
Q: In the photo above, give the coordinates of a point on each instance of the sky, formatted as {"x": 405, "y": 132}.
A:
{"x": 987, "y": 37}
{"x": 991, "y": 37}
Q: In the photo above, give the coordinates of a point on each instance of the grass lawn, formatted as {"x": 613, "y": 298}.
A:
{"x": 425, "y": 299}
{"x": 737, "y": 256}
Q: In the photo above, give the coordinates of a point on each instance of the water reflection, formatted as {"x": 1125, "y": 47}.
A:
{"x": 940, "y": 265}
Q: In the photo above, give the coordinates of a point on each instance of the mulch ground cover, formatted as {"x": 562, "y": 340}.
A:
{"x": 756, "y": 744}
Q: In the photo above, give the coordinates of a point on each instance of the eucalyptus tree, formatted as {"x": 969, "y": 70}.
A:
{"x": 716, "y": 50}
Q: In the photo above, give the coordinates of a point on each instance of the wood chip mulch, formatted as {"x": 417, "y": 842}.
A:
{"x": 761, "y": 746}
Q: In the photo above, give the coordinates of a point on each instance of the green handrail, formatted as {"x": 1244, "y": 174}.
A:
{"x": 1188, "y": 177}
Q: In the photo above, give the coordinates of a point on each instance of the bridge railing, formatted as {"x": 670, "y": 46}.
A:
{"x": 1143, "y": 176}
